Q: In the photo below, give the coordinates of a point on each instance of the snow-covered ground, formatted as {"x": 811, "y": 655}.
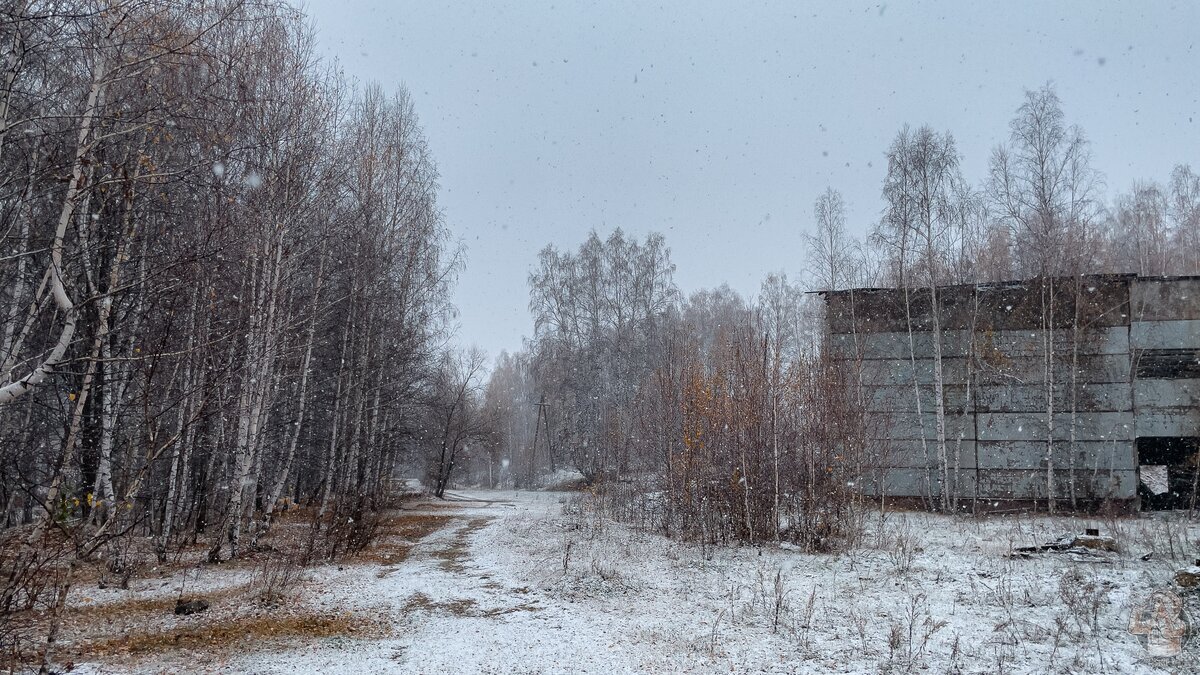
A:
{"x": 513, "y": 584}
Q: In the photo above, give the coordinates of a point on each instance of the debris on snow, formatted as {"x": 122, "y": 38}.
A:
{"x": 1084, "y": 544}
{"x": 190, "y": 607}
{"x": 1188, "y": 577}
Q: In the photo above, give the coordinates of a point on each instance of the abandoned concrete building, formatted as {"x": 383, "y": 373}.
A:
{"x": 1081, "y": 390}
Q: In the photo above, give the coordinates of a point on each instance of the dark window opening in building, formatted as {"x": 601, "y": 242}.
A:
{"x": 1167, "y": 472}
{"x": 1168, "y": 364}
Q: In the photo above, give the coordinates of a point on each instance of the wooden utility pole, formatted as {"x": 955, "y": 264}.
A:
{"x": 542, "y": 420}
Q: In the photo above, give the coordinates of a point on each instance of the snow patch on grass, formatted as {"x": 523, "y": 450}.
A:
{"x": 516, "y": 584}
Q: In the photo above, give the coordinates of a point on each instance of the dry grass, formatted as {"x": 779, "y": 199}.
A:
{"x": 89, "y": 613}
{"x": 92, "y": 628}
{"x": 297, "y": 515}
{"x": 454, "y": 556}
{"x": 500, "y": 611}
{"x": 413, "y": 526}
{"x": 135, "y": 627}
{"x": 462, "y": 607}
{"x": 228, "y": 633}
{"x": 130, "y": 626}
{"x": 421, "y": 601}
{"x": 397, "y": 535}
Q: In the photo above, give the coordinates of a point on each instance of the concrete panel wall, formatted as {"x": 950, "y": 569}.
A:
{"x": 1090, "y": 426}
{"x": 1108, "y": 397}
{"x": 907, "y": 426}
{"x": 1103, "y": 301}
{"x": 903, "y": 399}
{"x": 1165, "y": 299}
{"x": 1001, "y": 415}
{"x": 896, "y": 345}
{"x": 1032, "y": 342}
{"x": 1166, "y": 394}
{"x": 1163, "y": 422}
{"x": 957, "y": 343}
{"x": 1021, "y": 370}
{"x": 1099, "y": 369}
{"x": 896, "y": 372}
{"x": 1005, "y": 484}
{"x": 908, "y": 454}
{"x": 1105, "y": 397}
{"x": 1165, "y": 334}
{"x": 913, "y": 482}
{"x": 1089, "y": 455}
{"x": 1031, "y": 484}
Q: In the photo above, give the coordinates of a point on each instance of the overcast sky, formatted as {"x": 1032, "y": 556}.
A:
{"x": 718, "y": 124}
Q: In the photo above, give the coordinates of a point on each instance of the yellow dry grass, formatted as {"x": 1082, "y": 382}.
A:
{"x": 421, "y": 601}
{"x": 454, "y": 556}
{"x": 462, "y": 606}
{"x": 91, "y": 613}
{"x": 227, "y": 633}
{"x": 397, "y": 534}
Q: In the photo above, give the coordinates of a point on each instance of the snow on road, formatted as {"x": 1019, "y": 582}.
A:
{"x": 515, "y": 585}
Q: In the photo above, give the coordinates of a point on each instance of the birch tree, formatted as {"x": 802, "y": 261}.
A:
{"x": 1042, "y": 186}
{"x": 921, "y": 191}
{"x": 1184, "y": 211}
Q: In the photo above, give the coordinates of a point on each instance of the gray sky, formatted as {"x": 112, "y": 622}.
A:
{"x": 718, "y": 124}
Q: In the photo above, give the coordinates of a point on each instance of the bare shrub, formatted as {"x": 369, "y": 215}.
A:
{"x": 779, "y": 599}
{"x": 772, "y": 594}
{"x": 34, "y": 580}
{"x": 806, "y": 620}
{"x": 905, "y": 543}
{"x": 859, "y": 622}
{"x": 757, "y": 449}
{"x": 566, "y": 559}
{"x": 275, "y": 575}
{"x": 1167, "y": 538}
{"x": 910, "y": 634}
{"x": 712, "y": 643}
{"x": 346, "y": 529}
{"x": 1083, "y": 597}
{"x": 122, "y": 561}
{"x": 585, "y": 513}
{"x": 606, "y": 571}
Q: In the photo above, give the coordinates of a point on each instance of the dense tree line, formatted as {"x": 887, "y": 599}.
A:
{"x": 224, "y": 276}
{"x": 704, "y": 417}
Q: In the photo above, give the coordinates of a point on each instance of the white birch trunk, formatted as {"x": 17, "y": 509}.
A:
{"x": 939, "y": 395}
{"x": 281, "y": 479}
{"x": 8, "y": 346}
{"x": 180, "y": 449}
{"x": 912, "y": 355}
{"x": 1049, "y": 346}
{"x": 58, "y": 288}
{"x": 242, "y": 460}
{"x": 328, "y": 475}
